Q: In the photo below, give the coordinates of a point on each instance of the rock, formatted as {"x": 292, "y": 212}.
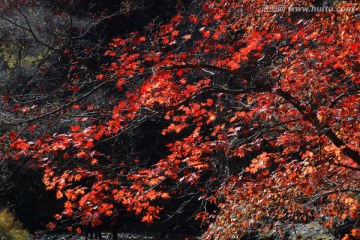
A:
{"x": 308, "y": 231}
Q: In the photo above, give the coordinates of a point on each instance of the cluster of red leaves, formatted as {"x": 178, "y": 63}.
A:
{"x": 296, "y": 110}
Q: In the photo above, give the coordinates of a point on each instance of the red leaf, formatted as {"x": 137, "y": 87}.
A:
{"x": 75, "y": 128}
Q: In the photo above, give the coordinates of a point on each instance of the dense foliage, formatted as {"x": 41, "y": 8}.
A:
{"x": 259, "y": 112}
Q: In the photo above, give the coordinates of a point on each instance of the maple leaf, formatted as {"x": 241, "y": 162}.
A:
{"x": 260, "y": 162}
{"x": 51, "y": 225}
{"x": 152, "y": 195}
{"x": 165, "y": 196}
{"x": 59, "y": 194}
{"x": 100, "y": 77}
{"x": 209, "y": 102}
{"x": 147, "y": 218}
{"x": 193, "y": 18}
{"x": 192, "y": 88}
{"x": 75, "y": 128}
{"x": 78, "y": 230}
{"x": 32, "y": 127}
{"x": 120, "y": 83}
{"x": 20, "y": 144}
{"x": 233, "y": 65}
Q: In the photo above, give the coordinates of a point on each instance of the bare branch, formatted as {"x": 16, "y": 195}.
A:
{"x": 58, "y": 109}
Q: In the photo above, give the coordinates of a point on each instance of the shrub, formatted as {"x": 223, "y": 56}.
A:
{"x": 10, "y": 228}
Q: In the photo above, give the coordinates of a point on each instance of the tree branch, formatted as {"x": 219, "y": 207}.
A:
{"x": 341, "y": 96}
{"x": 28, "y": 28}
{"x": 58, "y": 109}
{"x": 209, "y": 67}
{"x": 326, "y": 130}
{"x": 308, "y": 114}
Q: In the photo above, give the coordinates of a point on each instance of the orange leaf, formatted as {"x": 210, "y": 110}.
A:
{"x": 78, "y": 230}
